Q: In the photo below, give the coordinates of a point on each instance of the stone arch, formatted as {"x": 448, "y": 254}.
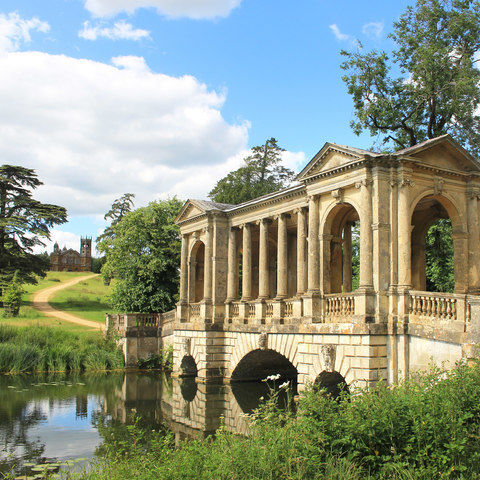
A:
{"x": 284, "y": 344}
{"x": 341, "y": 363}
{"x": 336, "y": 233}
{"x": 427, "y": 208}
{"x": 333, "y": 383}
{"x": 260, "y": 363}
{"x": 197, "y": 271}
{"x": 188, "y": 366}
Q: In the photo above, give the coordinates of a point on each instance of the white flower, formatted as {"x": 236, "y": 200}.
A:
{"x": 285, "y": 385}
{"x": 273, "y": 377}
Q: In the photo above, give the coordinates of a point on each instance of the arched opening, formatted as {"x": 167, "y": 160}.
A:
{"x": 188, "y": 367}
{"x": 248, "y": 379}
{"x": 432, "y": 245}
{"x": 341, "y": 254}
{"x": 197, "y": 272}
{"x": 188, "y": 389}
{"x": 331, "y": 383}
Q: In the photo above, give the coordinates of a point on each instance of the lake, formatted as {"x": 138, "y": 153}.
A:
{"x": 62, "y": 421}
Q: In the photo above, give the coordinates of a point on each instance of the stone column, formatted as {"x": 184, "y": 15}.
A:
{"x": 347, "y": 257}
{"x": 282, "y": 257}
{"x": 301, "y": 239}
{"x": 232, "y": 265}
{"x": 247, "y": 262}
{"x": 184, "y": 271}
{"x": 207, "y": 275}
{"x": 473, "y": 246}
{"x": 366, "y": 239}
{"x": 313, "y": 228}
{"x": 404, "y": 234}
{"x": 263, "y": 280}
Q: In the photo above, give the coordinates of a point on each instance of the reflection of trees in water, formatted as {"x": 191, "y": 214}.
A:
{"x": 23, "y": 408}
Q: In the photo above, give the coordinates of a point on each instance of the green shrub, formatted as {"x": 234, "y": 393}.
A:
{"x": 162, "y": 361}
{"x": 12, "y": 297}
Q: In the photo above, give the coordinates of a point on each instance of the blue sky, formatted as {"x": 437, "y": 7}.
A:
{"x": 192, "y": 84}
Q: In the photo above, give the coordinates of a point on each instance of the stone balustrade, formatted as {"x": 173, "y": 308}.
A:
{"x": 440, "y": 306}
{"x": 339, "y": 305}
{"x": 194, "y": 310}
{"x": 269, "y": 309}
{"x": 288, "y": 309}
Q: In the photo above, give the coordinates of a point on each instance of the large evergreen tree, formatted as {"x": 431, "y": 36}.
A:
{"x": 24, "y": 224}
{"x": 428, "y": 84}
{"x": 261, "y": 174}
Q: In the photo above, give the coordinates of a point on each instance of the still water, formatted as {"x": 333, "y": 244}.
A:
{"x": 65, "y": 420}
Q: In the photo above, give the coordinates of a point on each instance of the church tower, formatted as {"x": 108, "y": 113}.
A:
{"x": 86, "y": 253}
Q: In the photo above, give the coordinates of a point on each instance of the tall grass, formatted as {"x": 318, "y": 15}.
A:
{"x": 427, "y": 428}
{"x": 45, "y": 349}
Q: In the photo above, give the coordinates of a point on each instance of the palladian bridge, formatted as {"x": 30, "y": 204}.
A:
{"x": 268, "y": 286}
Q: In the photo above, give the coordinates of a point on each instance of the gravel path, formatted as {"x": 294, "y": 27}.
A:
{"x": 40, "y": 302}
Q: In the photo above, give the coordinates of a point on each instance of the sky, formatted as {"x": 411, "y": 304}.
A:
{"x": 165, "y": 97}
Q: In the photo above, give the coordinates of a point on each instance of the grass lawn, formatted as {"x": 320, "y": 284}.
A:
{"x": 30, "y": 317}
{"x": 86, "y": 299}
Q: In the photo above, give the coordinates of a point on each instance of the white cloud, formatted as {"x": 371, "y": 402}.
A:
{"x": 373, "y": 29}
{"x": 94, "y": 131}
{"x": 121, "y": 30}
{"x": 14, "y": 30}
{"x": 196, "y": 9}
{"x": 342, "y": 37}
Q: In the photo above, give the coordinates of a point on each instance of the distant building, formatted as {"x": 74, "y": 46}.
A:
{"x": 70, "y": 260}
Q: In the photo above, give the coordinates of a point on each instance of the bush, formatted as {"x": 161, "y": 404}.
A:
{"x": 12, "y": 297}
{"x": 162, "y": 361}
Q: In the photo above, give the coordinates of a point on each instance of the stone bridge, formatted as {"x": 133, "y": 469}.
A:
{"x": 271, "y": 285}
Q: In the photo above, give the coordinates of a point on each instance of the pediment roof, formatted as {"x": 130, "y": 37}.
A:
{"x": 444, "y": 152}
{"x": 194, "y": 208}
{"x": 332, "y": 156}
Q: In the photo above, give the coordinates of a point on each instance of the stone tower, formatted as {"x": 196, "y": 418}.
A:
{"x": 86, "y": 253}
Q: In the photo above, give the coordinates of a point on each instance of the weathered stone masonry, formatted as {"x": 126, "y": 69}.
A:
{"x": 275, "y": 273}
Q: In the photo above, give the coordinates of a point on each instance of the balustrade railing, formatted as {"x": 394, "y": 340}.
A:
{"x": 169, "y": 316}
{"x": 194, "y": 310}
{"x": 339, "y": 305}
{"x": 269, "y": 309}
{"x": 234, "y": 310}
{"x": 250, "y": 310}
{"x": 289, "y": 309}
{"x": 441, "y": 306}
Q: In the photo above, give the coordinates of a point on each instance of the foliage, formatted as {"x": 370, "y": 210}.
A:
{"x": 261, "y": 174}
{"x": 427, "y": 427}
{"x": 98, "y": 263}
{"x": 162, "y": 361}
{"x": 12, "y": 297}
{"x": 144, "y": 258}
{"x": 428, "y": 86}
{"x": 24, "y": 224}
{"x": 120, "y": 207}
{"x": 44, "y": 349}
{"x": 439, "y": 246}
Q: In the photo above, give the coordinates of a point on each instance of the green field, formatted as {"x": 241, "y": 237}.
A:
{"x": 87, "y": 299}
{"x": 30, "y": 317}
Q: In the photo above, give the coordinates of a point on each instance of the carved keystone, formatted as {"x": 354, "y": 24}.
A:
{"x": 186, "y": 345}
{"x": 263, "y": 341}
{"x": 329, "y": 352}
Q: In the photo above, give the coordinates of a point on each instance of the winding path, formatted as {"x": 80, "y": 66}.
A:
{"x": 40, "y": 302}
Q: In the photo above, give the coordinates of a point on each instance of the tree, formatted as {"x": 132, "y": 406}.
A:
{"x": 439, "y": 257}
{"x": 12, "y": 297}
{"x": 120, "y": 207}
{"x": 144, "y": 258}
{"x": 261, "y": 174}
{"x": 24, "y": 224}
{"x": 428, "y": 86}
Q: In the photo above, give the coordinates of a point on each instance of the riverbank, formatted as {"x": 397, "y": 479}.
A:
{"x": 428, "y": 427}
{"x": 53, "y": 349}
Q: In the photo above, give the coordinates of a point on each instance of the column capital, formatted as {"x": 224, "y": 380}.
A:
{"x": 264, "y": 221}
{"x": 365, "y": 182}
{"x": 245, "y": 225}
{"x": 207, "y": 229}
{"x": 302, "y": 209}
{"x": 473, "y": 193}
{"x": 313, "y": 197}
{"x": 282, "y": 215}
{"x": 406, "y": 182}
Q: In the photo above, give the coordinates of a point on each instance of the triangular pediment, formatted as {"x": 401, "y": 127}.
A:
{"x": 189, "y": 210}
{"x": 331, "y": 156}
{"x": 443, "y": 152}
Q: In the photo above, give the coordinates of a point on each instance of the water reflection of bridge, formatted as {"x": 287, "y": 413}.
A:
{"x": 187, "y": 408}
